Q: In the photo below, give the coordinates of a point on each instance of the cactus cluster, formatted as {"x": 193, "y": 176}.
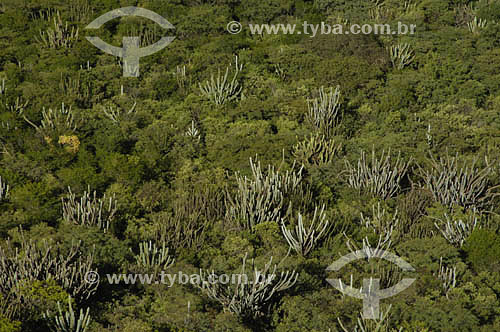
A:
{"x": 453, "y": 184}
{"x": 80, "y": 11}
{"x": 193, "y": 132}
{"x": 380, "y": 221}
{"x": 220, "y": 90}
{"x": 381, "y": 177}
{"x": 476, "y": 25}
{"x": 456, "y": 232}
{"x": 61, "y": 36}
{"x": 401, "y": 55}
{"x": 247, "y": 298}
{"x": 55, "y": 122}
{"x": 33, "y": 261}
{"x": 367, "y": 250}
{"x": 17, "y": 106}
{"x": 317, "y": 150}
{"x": 152, "y": 257}
{"x": 363, "y": 324}
{"x": 264, "y": 197}
{"x": 116, "y": 115}
{"x": 89, "y": 210}
{"x": 4, "y": 190}
{"x": 68, "y": 321}
{"x": 448, "y": 276}
{"x": 323, "y": 112}
{"x": 305, "y": 239}
{"x": 75, "y": 87}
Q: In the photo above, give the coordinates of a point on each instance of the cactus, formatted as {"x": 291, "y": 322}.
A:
{"x": 181, "y": 78}
{"x": 117, "y": 115}
{"x": 89, "y": 210}
{"x": 378, "y": 251}
{"x": 152, "y": 257}
{"x": 371, "y": 325}
{"x": 380, "y": 222}
{"x": 55, "y": 122}
{"x": 75, "y": 88}
{"x": 220, "y": 90}
{"x": 59, "y": 37}
{"x": 476, "y": 25}
{"x": 264, "y": 197}
{"x": 456, "y": 232}
{"x": 448, "y": 277}
{"x": 381, "y": 177}
{"x": 323, "y": 112}
{"x": 451, "y": 184}
{"x": 21, "y": 266}
{"x": 45, "y": 14}
{"x": 303, "y": 240}
{"x": 4, "y": 190}
{"x": 181, "y": 230}
{"x": 464, "y": 14}
{"x": 18, "y": 106}
{"x": 67, "y": 321}
{"x": 409, "y": 6}
{"x": 401, "y": 55}
{"x": 247, "y": 298}
{"x": 317, "y": 150}
{"x": 193, "y": 132}
{"x": 80, "y": 11}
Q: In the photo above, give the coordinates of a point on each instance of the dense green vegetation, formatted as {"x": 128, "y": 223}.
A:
{"x": 340, "y": 134}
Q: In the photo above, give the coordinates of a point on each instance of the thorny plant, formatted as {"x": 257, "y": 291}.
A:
{"x": 323, "y": 112}
{"x": 381, "y": 177}
{"x": 89, "y": 210}
{"x": 248, "y": 298}
{"x": 303, "y": 239}
{"x": 220, "y": 90}
{"x": 32, "y": 261}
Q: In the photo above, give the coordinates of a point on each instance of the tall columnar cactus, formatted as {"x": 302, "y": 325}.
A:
{"x": 61, "y": 36}
{"x": 380, "y": 221}
{"x": 20, "y": 267}
{"x": 323, "y": 112}
{"x": 2, "y": 87}
{"x": 68, "y": 321}
{"x": 181, "y": 78}
{"x": 247, "y": 297}
{"x": 219, "y": 89}
{"x": 193, "y": 132}
{"x": 55, "y": 122}
{"x": 4, "y": 190}
{"x": 381, "y": 177}
{"x": 151, "y": 257}
{"x": 457, "y": 231}
{"x": 401, "y": 55}
{"x": 448, "y": 276}
{"x": 476, "y": 25}
{"x": 116, "y": 115}
{"x": 317, "y": 150}
{"x": 452, "y": 184}
{"x": 264, "y": 197}
{"x": 381, "y": 324}
{"x": 370, "y": 251}
{"x": 80, "y": 11}
{"x": 89, "y": 210}
{"x": 305, "y": 239}
{"x": 17, "y": 106}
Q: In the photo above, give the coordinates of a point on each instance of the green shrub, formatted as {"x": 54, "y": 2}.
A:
{"x": 483, "y": 250}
